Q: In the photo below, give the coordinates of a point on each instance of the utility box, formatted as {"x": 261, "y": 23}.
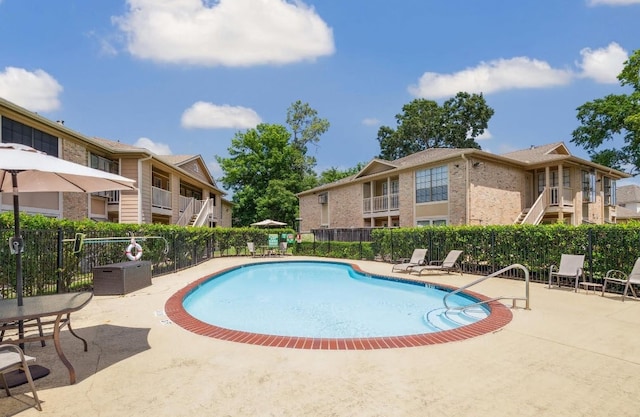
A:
{"x": 121, "y": 278}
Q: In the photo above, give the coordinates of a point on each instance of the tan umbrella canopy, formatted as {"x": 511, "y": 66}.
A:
{"x": 268, "y": 223}
{"x": 24, "y": 169}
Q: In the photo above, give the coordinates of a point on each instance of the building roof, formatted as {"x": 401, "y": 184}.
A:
{"x": 534, "y": 155}
{"x": 624, "y": 213}
{"x": 628, "y": 194}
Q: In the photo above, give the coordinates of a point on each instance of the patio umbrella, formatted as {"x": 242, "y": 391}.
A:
{"x": 268, "y": 223}
{"x": 24, "y": 169}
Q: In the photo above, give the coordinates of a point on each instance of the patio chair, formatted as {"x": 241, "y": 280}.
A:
{"x": 251, "y": 248}
{"x": 571, "y": 267}
{"x": 12, "y": 358}
{"x": 448, "y": 264}
{"x": 417, "y": 258}
{"x": 283, "y": 248}
{"x": 615, "y": 276}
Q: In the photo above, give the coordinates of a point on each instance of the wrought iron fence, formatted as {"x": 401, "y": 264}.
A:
{"x": 50, "y": 264}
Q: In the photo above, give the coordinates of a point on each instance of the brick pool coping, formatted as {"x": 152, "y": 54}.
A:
{"x": 499, "y": 316}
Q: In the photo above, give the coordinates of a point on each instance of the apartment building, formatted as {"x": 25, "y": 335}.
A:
{"x": 170, "y": 189}
{"x": 442, "y": 186}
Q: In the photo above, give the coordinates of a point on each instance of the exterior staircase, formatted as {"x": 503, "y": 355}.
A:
{"x": 521, "y": 216}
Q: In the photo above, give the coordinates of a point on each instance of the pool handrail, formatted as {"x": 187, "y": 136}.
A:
{"x": 503, "y": 270}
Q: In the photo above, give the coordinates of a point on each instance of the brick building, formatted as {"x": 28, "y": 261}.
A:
{"x": 541, "y": 184}
{"x": 171, "y": 189}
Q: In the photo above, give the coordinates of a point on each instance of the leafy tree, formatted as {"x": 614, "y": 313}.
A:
{"x": 334, "y": 174}
{"x": 423, "y": 124}
{"x": 268, "y": 165}
{"x": 256, "y": 158}
{"x": 609, "y": 118}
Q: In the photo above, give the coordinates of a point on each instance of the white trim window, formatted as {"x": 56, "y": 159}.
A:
{"x": 432, "y": 184}
{"x": 431, "y": 222}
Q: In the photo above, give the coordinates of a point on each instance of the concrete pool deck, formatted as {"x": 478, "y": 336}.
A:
{"x": 570, "y": 355}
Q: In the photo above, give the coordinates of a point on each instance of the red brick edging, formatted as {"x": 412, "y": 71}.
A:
{"x": 499, "y": 316}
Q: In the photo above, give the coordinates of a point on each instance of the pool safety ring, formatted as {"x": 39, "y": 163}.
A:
{"x": 138, "y": 253}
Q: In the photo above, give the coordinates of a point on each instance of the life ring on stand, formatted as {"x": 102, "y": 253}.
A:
{"x": 138, "y": 249}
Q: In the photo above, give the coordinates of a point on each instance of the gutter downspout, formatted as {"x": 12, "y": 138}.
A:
{"x": 466, "y": 189}
{"x": 140, "y": 161}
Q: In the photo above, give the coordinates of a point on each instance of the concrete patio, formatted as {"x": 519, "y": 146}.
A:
{"x": 570, "y": 355}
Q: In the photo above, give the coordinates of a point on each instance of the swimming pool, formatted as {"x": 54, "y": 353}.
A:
{"x": 325, "y": 305}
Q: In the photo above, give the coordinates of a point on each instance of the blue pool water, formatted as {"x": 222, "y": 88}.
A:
{"x": 319, "y": 300}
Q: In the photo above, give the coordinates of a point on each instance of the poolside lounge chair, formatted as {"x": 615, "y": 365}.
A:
{"x": 417, "y": 258}
{"x": 12, "y": 358}
{"x": 571, "y": 267}
{"x": 448, "y": 264}
{"x": 618, "y": 277}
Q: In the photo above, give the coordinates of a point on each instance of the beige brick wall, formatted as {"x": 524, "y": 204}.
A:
{"x": 496, "y": 193}
{"x": 406, "y": 199}
{"x": 457, "y": 193}
{"x": 309, "y": 212}
{"x": 345, "y": 206}
{"x": 75, "y": 205}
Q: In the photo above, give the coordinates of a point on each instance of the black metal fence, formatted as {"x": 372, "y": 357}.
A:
{"x": 487, "y": 250}
{"x": 50, "y": 264}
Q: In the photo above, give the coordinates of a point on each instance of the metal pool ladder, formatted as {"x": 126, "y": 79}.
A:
{"x": 502, "y": 271}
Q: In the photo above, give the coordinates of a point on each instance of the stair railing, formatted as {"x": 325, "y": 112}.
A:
{"x": 500, "y": 272}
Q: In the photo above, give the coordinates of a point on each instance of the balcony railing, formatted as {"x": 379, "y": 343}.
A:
{"x": 113, "y": 197}
{"x": 381, "y": 203}
{"x": 160, "y": 198}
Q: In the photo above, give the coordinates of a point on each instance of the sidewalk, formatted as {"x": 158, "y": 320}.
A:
{"x": 570, "y": 355}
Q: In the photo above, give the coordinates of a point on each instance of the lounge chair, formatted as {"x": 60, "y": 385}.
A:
{"x": 448, "y": 264}
{"x": 417, "y": 258}
{"x": 618, "y": 277}
{"x": 571, "y": 267}
{"x": 12, "y": 358}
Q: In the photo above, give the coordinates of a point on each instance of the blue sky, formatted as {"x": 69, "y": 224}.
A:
{"x": 182, "y": 76}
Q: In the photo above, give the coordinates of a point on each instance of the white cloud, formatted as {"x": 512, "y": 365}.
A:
{"x": 225, "y": 32}
{"x": 371, "y": 122}
{"x": 205, "y": 115}
{"x": 485, "y": 135}
{"x": 603, "y": 65}
{"x": 157, "y": 148}
{"x": 612, "y": 2}
{"x": 34, "y": 90}
{"x": 491, "y": 77}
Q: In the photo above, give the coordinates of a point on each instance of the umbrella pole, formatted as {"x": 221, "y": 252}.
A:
{"x": 17, "y": 240}
{"x": 17, "y": 245}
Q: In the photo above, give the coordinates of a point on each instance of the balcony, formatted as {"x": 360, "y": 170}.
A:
{"x": 160, "y": 201}
{"x": 381, "y": 203}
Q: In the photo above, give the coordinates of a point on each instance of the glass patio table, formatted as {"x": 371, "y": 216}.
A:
{"x": 52, "y": 311}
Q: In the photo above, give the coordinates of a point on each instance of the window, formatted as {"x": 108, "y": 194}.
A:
{"x": 16, "y": 132}
{"x": 104, "y": 164}
{"x": 395, "y": 187}
{"x": 432, "y": 185}
{"x": 323, "y": 198}
{"x": 431, "y": 222}
{"x": 540, "y": 182}
{"x": 609, "y": 191}
{"x": 588, "y": 187}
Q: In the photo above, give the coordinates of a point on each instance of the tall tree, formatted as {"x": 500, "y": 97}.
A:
{"x": 256, "y": 158}
{"x": 334, "y": 174}
{"x": 306, "y": 128}
{"x": 612, "y": 118}
{"x": 268, "y": 165}
{"x": 423, "y": 124}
